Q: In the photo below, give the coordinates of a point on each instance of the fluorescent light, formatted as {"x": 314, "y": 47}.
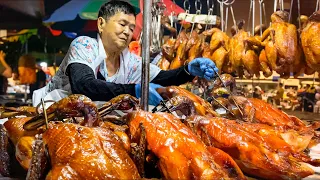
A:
{"x": 43, "y": 64}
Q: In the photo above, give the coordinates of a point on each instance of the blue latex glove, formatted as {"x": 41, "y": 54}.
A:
{"x": 154, "y": 96}
{"x": 203, "y": 67}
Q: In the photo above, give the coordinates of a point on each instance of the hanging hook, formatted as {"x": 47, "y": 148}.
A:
{"x": 198, "y": 6}
{"x": 185, "y": 3}
{"x": 198, "y": 11}
{"x": 210, "y": 11}
{"x": 261, "y": 5}
{"x": 222, "y": 2}
{"x": 250, "y": 13}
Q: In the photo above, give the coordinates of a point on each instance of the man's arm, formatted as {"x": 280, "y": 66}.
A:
{"x": 5, "y": 69}
{"x": 83, "y": 81}
{"x": 173, "y": 77}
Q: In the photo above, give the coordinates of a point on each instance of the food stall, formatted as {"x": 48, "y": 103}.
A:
{"x": 214, "y": 133}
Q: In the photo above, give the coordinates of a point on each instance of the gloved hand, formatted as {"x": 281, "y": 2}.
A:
{"x": 154, "y": 96}
{"x": 203, "y": 67}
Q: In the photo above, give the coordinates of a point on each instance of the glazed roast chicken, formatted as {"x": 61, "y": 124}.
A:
{"x": 310, "y": 38}
{"x": 282, "y": 48}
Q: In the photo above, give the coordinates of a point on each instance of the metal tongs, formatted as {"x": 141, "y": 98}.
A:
{"x": 231, "y": 94}
{"x": 164, "y": 107}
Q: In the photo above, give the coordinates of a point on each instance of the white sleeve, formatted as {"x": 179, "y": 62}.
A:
{"x": 82, "y": 50}
{"x": 135, "y": 70}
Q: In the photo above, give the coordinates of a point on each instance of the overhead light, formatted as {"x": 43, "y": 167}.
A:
{"x": 43, "y": 64}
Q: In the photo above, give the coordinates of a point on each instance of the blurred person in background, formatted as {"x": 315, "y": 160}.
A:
{"x": 5, "y": 73}
{"x": 40, "y": 80}
{"x": 257, "y": 93}
{"x": 279, "y": 94}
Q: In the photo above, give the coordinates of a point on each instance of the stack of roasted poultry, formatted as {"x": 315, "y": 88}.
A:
{"x": 81, "y": 141}
{"x": 281, "y": 48}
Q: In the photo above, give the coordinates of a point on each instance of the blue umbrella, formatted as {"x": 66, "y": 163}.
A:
{"x": 67, "y": 12}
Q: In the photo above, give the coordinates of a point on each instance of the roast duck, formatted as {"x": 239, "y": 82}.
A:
{"x": 203, "y": 145}
{"x": 281, "y": 48}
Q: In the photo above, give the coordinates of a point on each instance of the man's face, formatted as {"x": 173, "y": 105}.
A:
{"x": 117, "y": 31}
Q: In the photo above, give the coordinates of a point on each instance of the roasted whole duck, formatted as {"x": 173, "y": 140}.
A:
{"x": 256, "y": 110}
{"x": 202, "y": 107}
{"x": 310, "y": 39}
{"x": 181, "y": 154}
{"x": 254, "y": 153}
{"x": 218, "y": 51}
{"x": 79, "y": 152}
{"x": 282, "y": 48}
{"x": 181, "y": 55}
{"x": 244, "y": 59}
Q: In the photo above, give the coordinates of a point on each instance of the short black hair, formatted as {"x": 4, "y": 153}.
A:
{"x": 281, "y": 84}
{"x": 112, "y": 7}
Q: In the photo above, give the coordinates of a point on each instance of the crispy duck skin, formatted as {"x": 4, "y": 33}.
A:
{"x": 181, "y": 154}
{"x": 310, "y": 39}
{"x": 202, "y": 107}
{"x": 21, "y": 139}
{"x": 4, "y": 154}
{"x": 164, "y": 64}
{"x": 252, "y": 152}
{"x": 78, "y": 152}
{"x": 257, "y": 110}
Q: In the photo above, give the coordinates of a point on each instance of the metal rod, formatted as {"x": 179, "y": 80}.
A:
{"x": 253, "y": 15}
{"x": 249, "y": 18}
{"x": 317, "y": 5}
{"x": 264, "y": 14}
{"x": 275, "y": 5}
{"x": 299, "y": 14}
{"x": 222, "y": 17}
{"x": 261, "y": 19}
{"x": 146, "y": 53}
{"x": 290, "y": 12}
{"x": 45, "y": 113}
{"x": 224, "y": 107}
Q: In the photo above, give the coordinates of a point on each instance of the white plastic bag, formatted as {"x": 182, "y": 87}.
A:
{"x": 54, "y": 95}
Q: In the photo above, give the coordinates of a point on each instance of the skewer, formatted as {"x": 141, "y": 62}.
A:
{"x": 225, "y": 86}
{"x": 227, "y": 109}
{"x": 45, "y": 113}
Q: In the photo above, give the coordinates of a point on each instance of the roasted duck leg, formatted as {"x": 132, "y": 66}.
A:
{"x": 75, "y": 105}
{"x": 203, "y": 107}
